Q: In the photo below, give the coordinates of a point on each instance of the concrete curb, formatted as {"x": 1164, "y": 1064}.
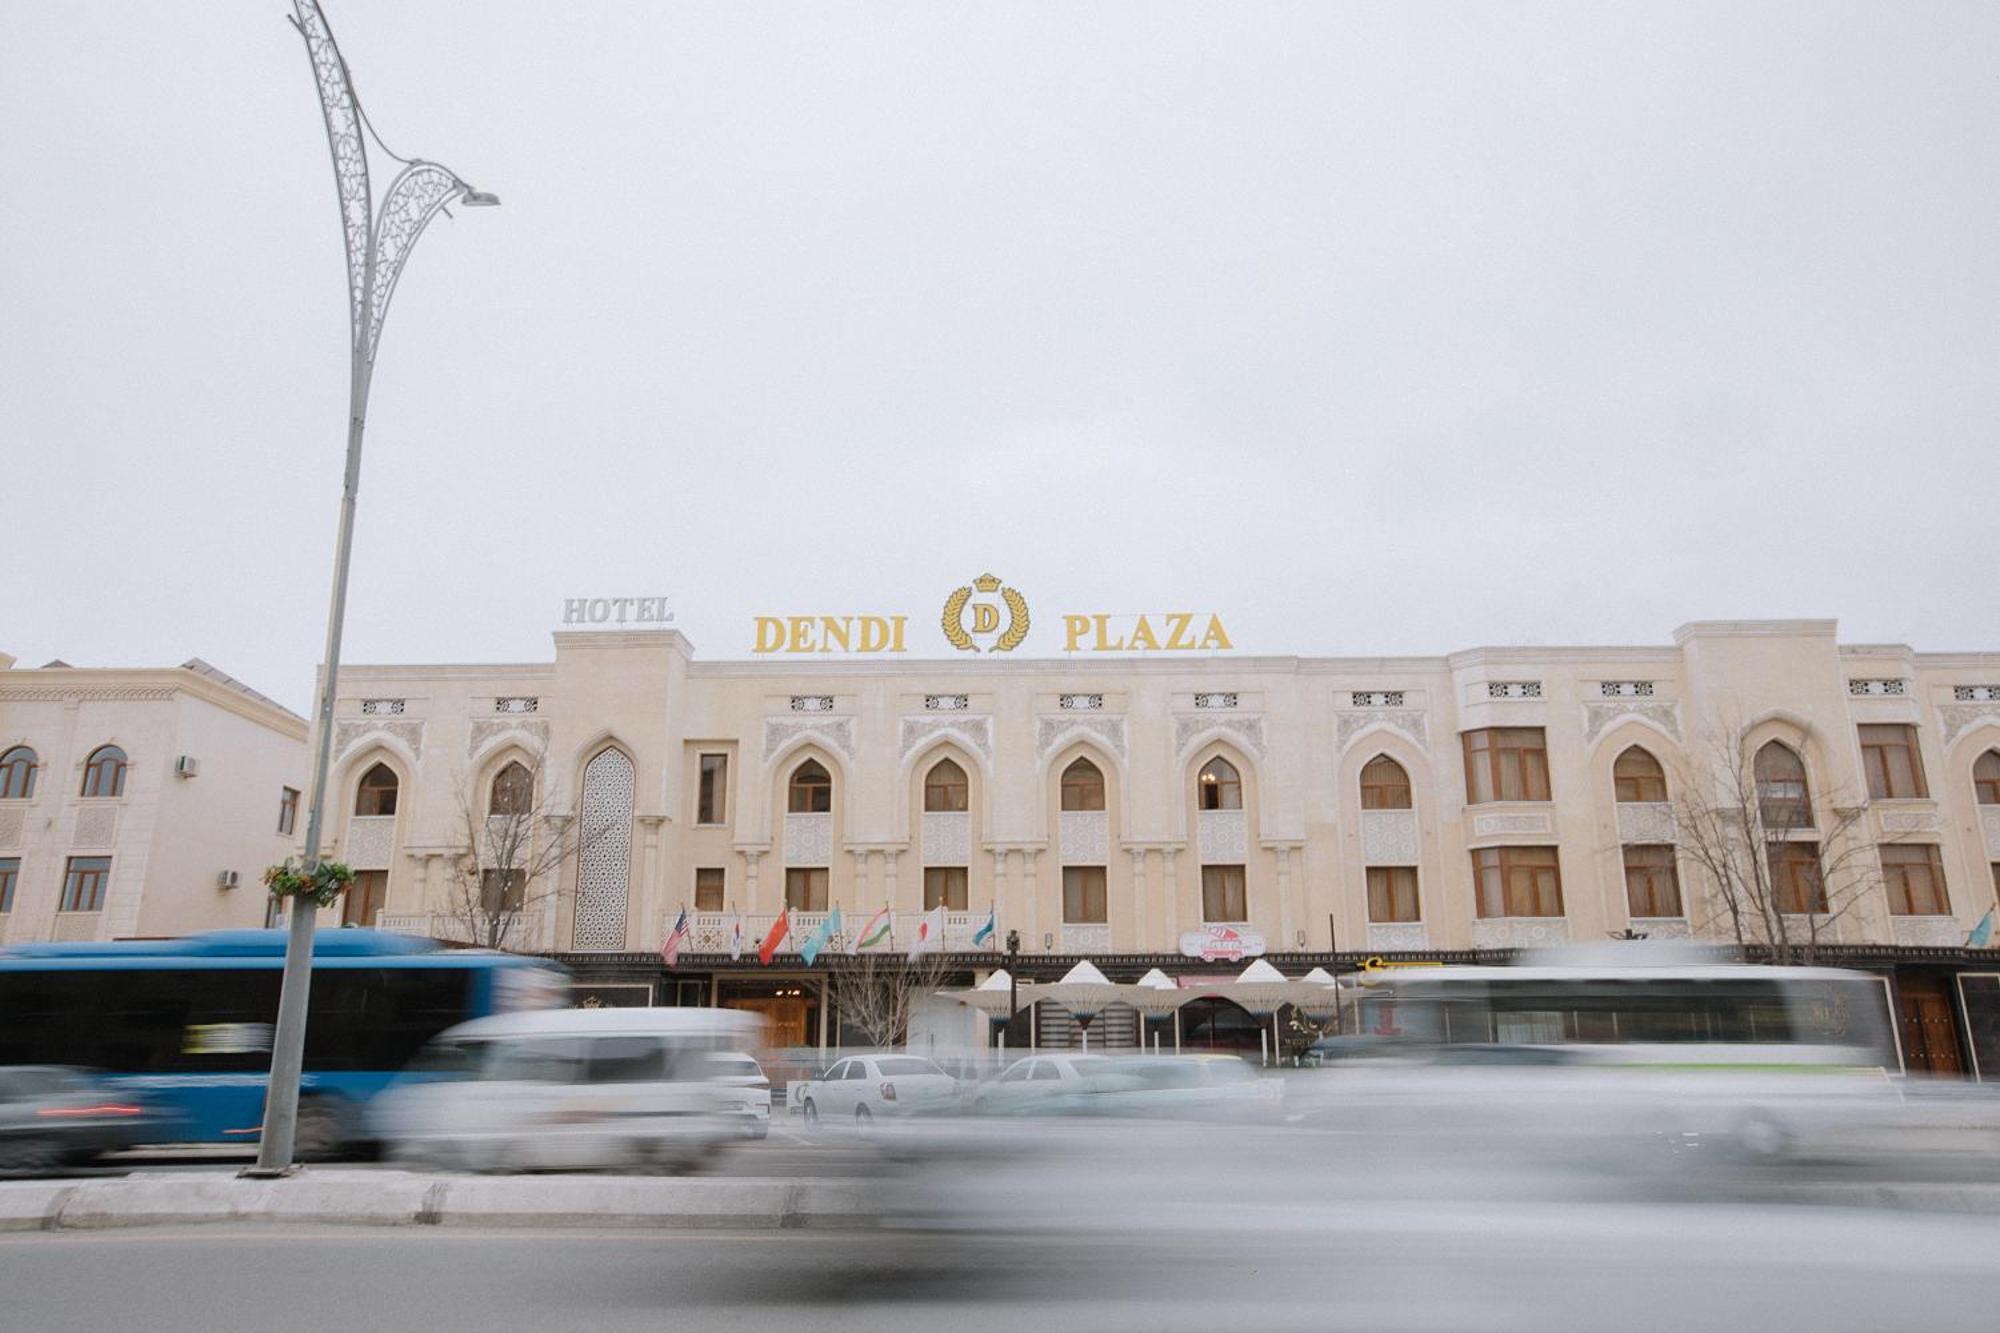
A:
{"x": 399, "y": 1198}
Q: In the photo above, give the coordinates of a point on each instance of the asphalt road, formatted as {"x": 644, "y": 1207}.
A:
{"x": 1829, "y": 1269}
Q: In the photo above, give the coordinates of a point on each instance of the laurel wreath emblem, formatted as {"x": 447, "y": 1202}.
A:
{"x": 1017, "y": 621}
{"x": 954, "y": 631}
{"x": 953, "y": 621}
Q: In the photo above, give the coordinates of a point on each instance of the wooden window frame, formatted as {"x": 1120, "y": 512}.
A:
{"x": 1986, "y": 786}
{"x": 944, "y": 795}
{"x": 1781, "y": 810}
{"x": 1086, "y": 896}
{"x": 1222, "y": 888}
{"x": 516, "y": 797}
{"x": 10, "y": 876}
{"x": 1393, "y": 895}
{"x": 1506, "y": 764}
{"x": 370, "y": 890}
{"x": 86, "y": 883}
{"x": 105, "y": 769}
{"x": 710, "y": 880}
{"x": 1652, "y": 880}
{"x": 1646, "y": 788}
{"x": 711, "y": 798}
{"x": 1900, "y": 880}
{"x": 1386, "y": 794}
{"x": 368, "y": 798}
{"x": 1893, "y": 761}
{"x": 943, "y": 883}
{"x": 1215, "y": 794}
{"x": 1087, "y": 791}
{"x": 1519, "y": 881}
{"x": 502, "y": 891}
{"x": 1797, "y": 885}
{"x": 288, "y": 811}
{"x": 816, "y": 881}
{"x": 18, "y": 767}
{"x": 809, "y": 790}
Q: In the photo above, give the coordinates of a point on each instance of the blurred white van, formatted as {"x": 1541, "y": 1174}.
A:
{"x": 573, "y": 1089}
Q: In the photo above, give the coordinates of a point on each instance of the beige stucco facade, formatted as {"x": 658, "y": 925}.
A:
{"x": 1297, "y": 730}
{"x": 207, "y": 764}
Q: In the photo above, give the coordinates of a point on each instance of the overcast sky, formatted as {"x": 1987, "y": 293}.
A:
{"x": 1386, "y": 328}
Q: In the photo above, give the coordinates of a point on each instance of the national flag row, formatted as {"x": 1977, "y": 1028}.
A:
{"x": 877, "y": 936}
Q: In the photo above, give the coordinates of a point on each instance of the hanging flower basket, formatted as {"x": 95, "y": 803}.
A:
{"x": 324, "y": 883}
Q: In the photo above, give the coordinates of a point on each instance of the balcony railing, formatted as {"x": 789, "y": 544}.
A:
{"x": 523, "y": 934}
{"x": 712, "y": 932}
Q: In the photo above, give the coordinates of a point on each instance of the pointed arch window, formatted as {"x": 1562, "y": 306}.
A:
{"x": 811, "y": 790}
{"x": 513, "y": 790}
{"x": 1636, "y": 776}
{"x": 1783, "y": 800}
{"x": 945, "y": 789}
{"x": 1219, "y": 787}
{"x": 104, "y": 772}
{"x": 1986, "y": 778}
{"x": 17, "y": 774}
{"x": 1082, "y": 786}
{"x": 1385, "y": 785}
{"x": 377, "y": 793}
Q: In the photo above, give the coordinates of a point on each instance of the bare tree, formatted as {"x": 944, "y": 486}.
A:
{"x": 511, "y": 860}
{"x": 877, "y": 991}
{"x": 1782, "y": 864}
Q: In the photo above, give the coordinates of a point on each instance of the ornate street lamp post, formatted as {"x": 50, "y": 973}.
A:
{"x": 378, "y": 243}
{"x": 1013, "y": 983}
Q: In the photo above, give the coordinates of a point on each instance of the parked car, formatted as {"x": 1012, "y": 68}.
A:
{"x": 745, "y": 1092}
{"x": 863, "y": 1087}
{"x": 51, "y": 1115}
{"x": 1030, "y": 1083}
{"x": 571, "y": 1088}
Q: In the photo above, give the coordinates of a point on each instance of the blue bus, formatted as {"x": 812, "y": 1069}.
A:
{"x": 189, "y": 1021}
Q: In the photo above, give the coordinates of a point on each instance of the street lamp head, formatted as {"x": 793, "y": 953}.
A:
{"x": 478, "y": 199}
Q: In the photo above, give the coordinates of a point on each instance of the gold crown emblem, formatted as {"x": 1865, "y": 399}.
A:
{"x": 986, "y": 583}
{"x": 985, "y": 616}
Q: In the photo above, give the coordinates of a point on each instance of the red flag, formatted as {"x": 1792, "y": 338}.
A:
{"x": 779, "y": 929}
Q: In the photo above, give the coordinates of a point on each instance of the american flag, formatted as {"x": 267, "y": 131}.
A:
{"x": 671, "y": 950}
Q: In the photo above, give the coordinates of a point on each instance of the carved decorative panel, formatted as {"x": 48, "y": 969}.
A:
{"x": 947, "y": 838}
{"x": 1249, "y": 729}
{"x": 351, "y": 734}
{"x": 486, "y": 728}
{"x": 604, "y": 877}
{"x": 1519, "y": 932}
{"x": 975, "y": 730}
{"x": 1662, "y": 927}
{"x": 1929, "y": 931}
{"x": 1409, "y": 722}
{"x": 1520, "y": 821}
{"x": 1599, "y": 716}
{"x": 809, "y": 840}
{"x": 13, "y": 825}
{"x": 1646, "y": 821}
{"x": 1050, "y": 729}
{"x": 1224, "y": 836}
{"x": 1399, "y": 936}
{"x": 1389, "y": 837}
{"x": 96, "y": 826}
{"x": 1085, "y": 837}
{"x": 835, "y": 733}
{"x": 1085, "y": 938}
{"x": 371, "y": 842}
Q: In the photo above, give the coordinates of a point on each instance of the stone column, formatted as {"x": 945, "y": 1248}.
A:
{"x": 1285, "y": 915}
{"x": 1004, "y": 907}
{"x": 1141, "y": 942}
{"x": 651, "y": 887}
{"x": 750, "y": 897}
{"x": 889, "y": 855}
{"x": 1029, "y": 890}
{"x": 1170, "y": 862}
{"x": 862, "y": 892}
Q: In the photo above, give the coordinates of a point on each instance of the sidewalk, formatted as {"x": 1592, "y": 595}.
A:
{"x": 401, "y": 1198}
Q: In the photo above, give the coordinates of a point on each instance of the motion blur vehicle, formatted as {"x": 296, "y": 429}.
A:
{"x": 187, "y": 1023}
{"x": 572, "y": 1089}
{"x": 745, "y": 1092}
{"x": 865, "y": 1087}
{"x": 50, "y": 1116}
{"x": 1032, "y": 1082}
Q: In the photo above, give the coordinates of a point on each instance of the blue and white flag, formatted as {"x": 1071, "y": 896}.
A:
{"x": 1982, "y": 934}
{"x": 829, "y": 926}
{"x": 985, "y": 932}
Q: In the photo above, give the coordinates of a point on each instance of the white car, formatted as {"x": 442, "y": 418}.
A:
{"x": 568, "y": 1088}
{"x": 861, "y": 1088}
{"x": 1037, "y": 1079}
{"x": 744, "y": 1091}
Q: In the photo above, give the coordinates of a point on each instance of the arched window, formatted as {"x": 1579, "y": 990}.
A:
{"x": 17, "y": 774}
{"x": 945, "y": 789}
{"x": 1219, "y": 787}
{"x": 1637, "y": 776}
{"x": 104, "y": 772}
{"x": 1384, "y": 785}
{"x": 811, "y": 791}
{"x": 1782, "y": 799}
{"x": 1985, "y": 777}
{"x": 1082, "y": 786}
{"x": 377, "y": 793}
{"x": 513, "y": 790}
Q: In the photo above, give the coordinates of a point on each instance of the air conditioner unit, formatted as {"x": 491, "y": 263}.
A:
{"x": 186, "y": 766}
{"x": 227, "y": 879}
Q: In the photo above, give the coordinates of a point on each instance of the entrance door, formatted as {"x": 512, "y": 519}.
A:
{"x": 1930, "y": 1029}
{"x": 784, "y": 1018}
